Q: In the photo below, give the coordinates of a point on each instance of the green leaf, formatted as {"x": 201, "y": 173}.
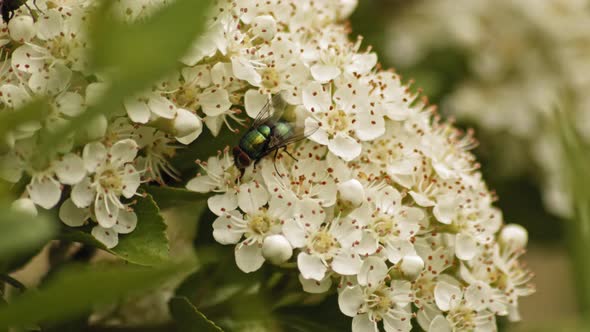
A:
{"x": 146, "y": 245}
{"x": 171, "y": 197}
{"x": 21, "y": 233}
{"x": 189, "y": 318}
{"x": 35, "y": 110}
{"x": 78, "y": 289}
{"x": 135, "y": 55}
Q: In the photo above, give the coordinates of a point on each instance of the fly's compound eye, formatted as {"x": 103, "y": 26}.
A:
{"x": 241, "y": 158}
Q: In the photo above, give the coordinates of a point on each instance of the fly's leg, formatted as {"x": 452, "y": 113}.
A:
{"x": 274, "y": 162}
{"x": 289, "y": 154}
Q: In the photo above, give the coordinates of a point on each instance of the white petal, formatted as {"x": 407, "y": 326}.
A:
{"x": 200, "y": 184}
{"x": 311, "y": 267}
{"x": 368, "y": 244}
{"x": 439, "y": 324}
{"x": 245, "y": 71}
{"x": 224, "y": 231}
{"x": 82, "y": 193}
{"x": 421, "y": 199}
{"x": 314, "y": 286}
{"x": 344, "y": 147}
{"x": 347, "y": 263}
{"x": 215, "y": 102}
{"x": 200, "y": 75}
{"x": 161, "y": 106}
{"x": 188, "y": 139}
{"x": 368, "y": 126}
{"x": 362, "y": 323}
{"x": 324, "y": 73}
{"x": 252, "y": 196}
{"x": 320, "y": 135}
{"x": 362, "y": 63}
{"x": 124, "y": 151}
{"x": 219, "y": 204}
{"x": 108, "y": 237}
{"x": 186, "y": 123}
{"x": 294, "y": 231}
{"x": 93, "y": 154}
{"x": 254, "y": 101}
{"x": 350, "y": 300}
{"x": 316, "y": 98}
{"x": 137, "y": 110}
{"x": 70, "y": 103}
{"x": 249, "y": 257}
{"x": 465, "y": 246}
{"x": 106, "y": 213}
{"x": 477, "y": 295}
{"x": 72, "y": 215}
{"x": 446, "y": 208}
{"x": 126, "y": 222}
{"x": 49, "y": 25}
{"x": 44, "y": 192}
{"x": 131, "y": 181}
{"x": 372, "y": 271}
{"x": 447, "y": 296}
{"x": 70, "y": 169}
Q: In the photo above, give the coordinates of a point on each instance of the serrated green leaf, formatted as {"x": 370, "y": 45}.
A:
{"x": 79, "y": 289}
{"x": 20, "y": 232}
{"x": 135, "y": 55}
{"x": 171, "y": 197}
{"x": 189, "y": 318}
{"x": 146, "y": 245}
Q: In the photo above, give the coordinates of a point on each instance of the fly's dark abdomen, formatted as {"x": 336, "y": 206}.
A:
{"x": 254, "y": 142}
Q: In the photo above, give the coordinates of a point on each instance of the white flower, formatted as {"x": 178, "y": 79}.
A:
{"x": 46, "y": 186}
{"x": 112, "y": 176}
{"x": 74, "y": 216}
{"x": 387, "y": 224}
{"x": 375, "y": 298}
{"x": 221, "y": 176}
{"x": 324, "y": 246}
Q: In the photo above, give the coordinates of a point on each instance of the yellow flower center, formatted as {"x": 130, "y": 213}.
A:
{"x": 260, "y": 224}
{"x": 322, "y": 242}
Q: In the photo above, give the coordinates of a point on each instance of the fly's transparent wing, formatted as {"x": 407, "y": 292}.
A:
{"x": 271, "y": 111}
{"x": 296, "y": 134}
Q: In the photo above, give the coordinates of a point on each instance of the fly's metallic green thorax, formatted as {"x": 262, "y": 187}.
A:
{"x": 254, "y": 141}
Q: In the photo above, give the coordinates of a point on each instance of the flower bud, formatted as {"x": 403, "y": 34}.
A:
{"x": 276, "y": 249}
{"x": 186, "y": 123}
{"x": 515, "y": 235}
{"x": 264, "y": 26}
{"x": 21, "y": 28}
{"x": 25, "y": 205}
{"x": 411, "y": 266}
{"x": 351, "y": 192}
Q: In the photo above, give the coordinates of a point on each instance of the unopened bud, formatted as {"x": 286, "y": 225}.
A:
{"x": 21, "y": 28}
{"x": 276, "y": 249}
{"x": 351, "y": 192}
{"x": 411, "y": 266}
{"x": 514, "y": 235}
{"x": 25, "y": 205}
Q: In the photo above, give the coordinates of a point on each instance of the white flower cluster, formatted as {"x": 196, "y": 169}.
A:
{"x": 525, "y": 59}
{"x": 94, "y": 174}
{"x": 382, "y": 201}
